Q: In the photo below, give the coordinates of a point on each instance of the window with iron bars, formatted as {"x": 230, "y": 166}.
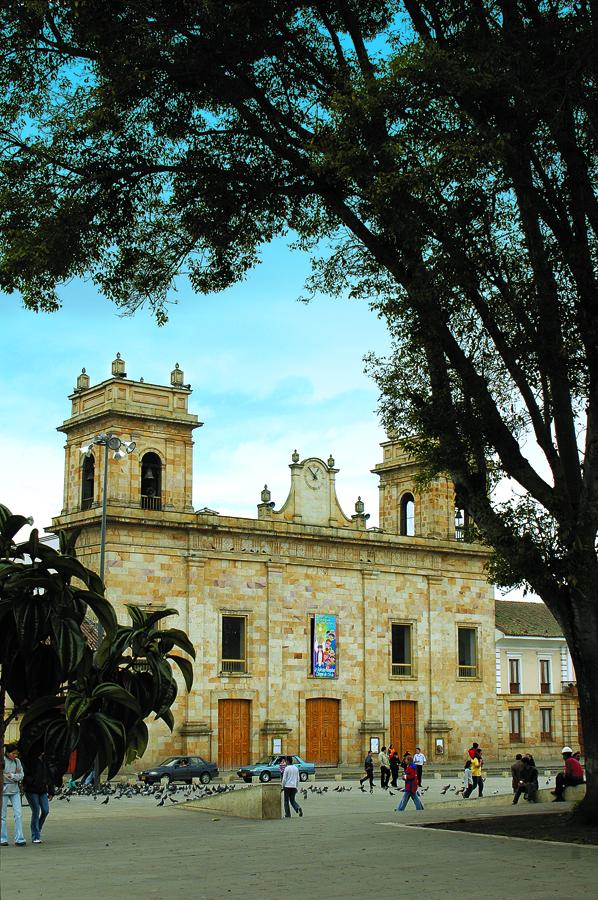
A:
{"x": 467, "y": 639}
{"x": 234, "y": 657}
{"x": 401, "y": 650}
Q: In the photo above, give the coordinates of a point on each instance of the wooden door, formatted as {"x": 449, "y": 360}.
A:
{"x": 402, "y": 725}
{"x": 322, "y": 725}
{"x": 234, "y": 717}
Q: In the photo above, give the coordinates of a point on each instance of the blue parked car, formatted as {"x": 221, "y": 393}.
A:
{"x": 268, "y": 769}
{"x": 180, "y": 768}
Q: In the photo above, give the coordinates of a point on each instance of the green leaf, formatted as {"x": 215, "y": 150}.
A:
{"x": 12, "y": 525}
{"x": 39, "y": 708}
{"x": 70, "y": 643}
{"x": 179, "y": 639}
{"x": 101, "y": 608}
{"x": 116, "y": 694}
{"x": 186, "y": 668}
{"x": 168, "y": 718}
{"x": 137, "y": 740}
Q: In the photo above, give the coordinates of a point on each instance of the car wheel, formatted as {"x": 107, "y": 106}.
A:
{"x": 265, "y": 777}
{"x": 303, "y": 776}
{"x": 188, "y": 781}
{"x": 247, "y": 780}
{"x": 205, "y": 778}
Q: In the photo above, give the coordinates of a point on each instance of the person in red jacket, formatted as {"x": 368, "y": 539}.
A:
{"x": 572, "y": 774}
{"x": 411, "y": 786}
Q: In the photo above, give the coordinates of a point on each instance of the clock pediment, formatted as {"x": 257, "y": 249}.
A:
{"x": 312, "y": 496}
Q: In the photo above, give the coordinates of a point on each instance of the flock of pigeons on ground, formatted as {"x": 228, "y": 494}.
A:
{"x": 176, "y": 793}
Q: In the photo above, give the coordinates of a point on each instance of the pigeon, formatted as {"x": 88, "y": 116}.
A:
{"x": 104, "y": 802}
{"x": 390, "y": 792}
{"x": 445, "y": 789}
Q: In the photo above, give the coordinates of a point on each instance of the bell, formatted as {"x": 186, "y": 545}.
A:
{"x": 149, "y": 474}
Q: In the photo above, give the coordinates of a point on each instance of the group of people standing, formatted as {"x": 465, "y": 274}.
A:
{"x": 390, "y": 765}
{"x": 37, "y": 783}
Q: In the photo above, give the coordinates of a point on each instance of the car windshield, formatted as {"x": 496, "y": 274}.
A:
{"x": 265, "y": 761}
{"x": 171, "y": 761}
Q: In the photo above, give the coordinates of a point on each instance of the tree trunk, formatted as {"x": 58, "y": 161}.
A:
{"x": 583, "y": 645}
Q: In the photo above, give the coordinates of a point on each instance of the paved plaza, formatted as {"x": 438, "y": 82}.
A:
{"x": 347, "y": 845}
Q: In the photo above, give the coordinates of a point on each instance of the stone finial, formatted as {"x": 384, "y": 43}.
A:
{"x": 82, "y": 381}
{"x": 360, "y": 518}
{"x": 118, "y": 367}
{"x": 330, "y": 461}
{"x": 177, "y": 376}
{"x": 295, "y": 456}
{"x": 266, "y": 495}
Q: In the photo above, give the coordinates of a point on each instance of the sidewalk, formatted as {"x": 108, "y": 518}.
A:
{"x": 347, "y": 845}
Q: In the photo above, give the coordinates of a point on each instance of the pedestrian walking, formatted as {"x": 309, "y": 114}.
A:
{"x": 384, "y": 768}
{"x": 12, "y": 776}
{"x": 38, "y": 786}
{"x": 476, "y": 772}
{"x": 368, "y": 765}
{"x": 393, "y": 762}
{"x": 411, "y": 787}
{"x": 467, "y": 779}
{"x": 290, "y": 784}
{"x": 419, "y": 761}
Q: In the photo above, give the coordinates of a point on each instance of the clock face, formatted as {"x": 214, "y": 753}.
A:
{"x": 314, "y": 476}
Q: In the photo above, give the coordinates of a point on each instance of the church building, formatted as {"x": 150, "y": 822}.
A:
{"x": 315, "y": 634}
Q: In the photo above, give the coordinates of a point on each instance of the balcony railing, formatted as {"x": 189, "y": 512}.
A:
{"x": 404, "y": 669}
{"x": 87, "y": 503}
{"x": 514, "y": 687}
{"x": 546, "y": 737}
{"x": 468, "y": 671}
{"x": 234, "y": 666}
{"x": 545, "y": 687}
{"x": 148, "y": 502}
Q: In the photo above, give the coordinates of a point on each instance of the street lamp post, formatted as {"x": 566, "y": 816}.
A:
{"x": 120, "y": 449}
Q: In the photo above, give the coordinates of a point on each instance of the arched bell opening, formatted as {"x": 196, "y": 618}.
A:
{"x": 151, "y": 481}
{"x": 87, "y": 481}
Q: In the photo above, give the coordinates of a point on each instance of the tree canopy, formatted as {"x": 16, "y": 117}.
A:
{"x": 438, "y": 159}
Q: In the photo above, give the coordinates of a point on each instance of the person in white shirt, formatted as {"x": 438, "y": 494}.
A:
{"x": 419, "y": 760}
{"x": 290, "y": 783}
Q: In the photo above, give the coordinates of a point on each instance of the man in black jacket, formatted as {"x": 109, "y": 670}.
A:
{"x": 38, "y": 786}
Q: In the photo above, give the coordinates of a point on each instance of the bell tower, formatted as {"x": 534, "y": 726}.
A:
{"x": 405, "y": 507}
{"x": 156, "y": 476}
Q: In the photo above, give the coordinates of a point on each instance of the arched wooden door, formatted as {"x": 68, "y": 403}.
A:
{"x": 234, "y": 717}
{"x": 322, "y": 731}
{"x": 402, "y": 725}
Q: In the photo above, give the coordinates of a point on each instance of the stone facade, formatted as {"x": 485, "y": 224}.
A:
{"x": 272, "y": 575}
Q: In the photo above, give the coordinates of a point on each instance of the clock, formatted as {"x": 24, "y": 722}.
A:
{"x": 314, "y": 475}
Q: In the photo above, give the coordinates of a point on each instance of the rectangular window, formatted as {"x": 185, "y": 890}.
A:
{"x": 514, "y": 676}
{"x": 233, "y": 644}
{"x": 401, "y": 662}
{"x": 515, "y": 726}
{"x": 545, "y": 687}
{"x": 546, "y": 724}
{"x": 468, "y": 652}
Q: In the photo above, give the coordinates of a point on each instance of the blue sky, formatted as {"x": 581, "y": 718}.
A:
{"x": 268, "y": 375}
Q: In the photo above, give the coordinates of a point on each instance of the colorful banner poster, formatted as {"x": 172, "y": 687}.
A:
{"x": 325, "y": 646}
